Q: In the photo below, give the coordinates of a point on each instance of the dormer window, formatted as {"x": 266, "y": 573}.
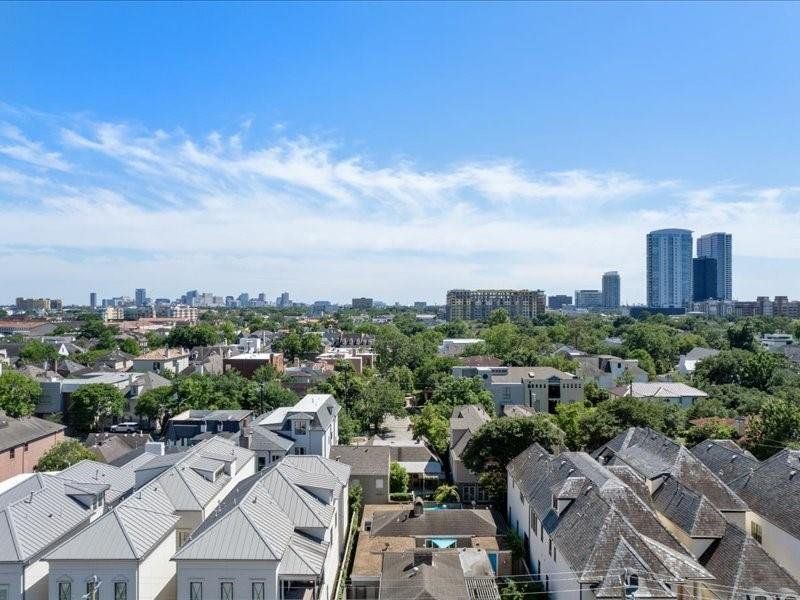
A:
{"x": 631, "y": 583}
{"x": 300, "y": 427}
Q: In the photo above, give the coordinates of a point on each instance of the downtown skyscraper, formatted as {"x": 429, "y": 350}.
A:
{"x": 669, "y": 268}
{"x": 719, "y": 246}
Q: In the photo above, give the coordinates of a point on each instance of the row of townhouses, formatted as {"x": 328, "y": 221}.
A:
{"x": 646, "y": 517}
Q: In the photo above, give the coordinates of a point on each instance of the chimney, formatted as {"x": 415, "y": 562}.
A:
{"x": 156, "y": 448}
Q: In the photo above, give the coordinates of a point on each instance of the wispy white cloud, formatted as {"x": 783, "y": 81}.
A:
{"x": 224, "y": 211}
{"x": 20, "y": 148}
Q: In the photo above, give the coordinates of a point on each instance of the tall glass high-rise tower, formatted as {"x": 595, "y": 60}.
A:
{"x": 719, "y": 246}
{"x": 669, "y": 268}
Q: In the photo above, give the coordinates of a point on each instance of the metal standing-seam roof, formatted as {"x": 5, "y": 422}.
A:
{"x": 135, "y": 527}
{"x": 47, "y": 507}
{"x": 259, "y": 519}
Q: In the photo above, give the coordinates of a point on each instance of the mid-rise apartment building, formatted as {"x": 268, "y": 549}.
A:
{"x": 478, "y": 305}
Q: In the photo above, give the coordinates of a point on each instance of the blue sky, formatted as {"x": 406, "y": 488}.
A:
{"x": 392, "y": 150}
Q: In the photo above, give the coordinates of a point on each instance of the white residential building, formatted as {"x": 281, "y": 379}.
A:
{"x": 688, "y": 362}
{"x": 540, "y": 388}
{"x": 312, "y": 426}
{"x": 280, "y": 535}
{"x": 586, "y": 534}
{"x": 126, "y": 553}
{"x": 162, "y": 359}
{"x": 679, "y": 394}
{"x": 40, "y": 511}
{"x": 456, "y": 346}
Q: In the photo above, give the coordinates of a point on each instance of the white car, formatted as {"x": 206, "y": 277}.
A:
{"x": 127, "y": 427}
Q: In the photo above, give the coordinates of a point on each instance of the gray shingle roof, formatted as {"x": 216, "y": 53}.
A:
{"x": 363, "y": 460}
{"x": 772, "y": 490}
{"x": 693, "y": 513}
{"x": 456, "y": 522}
{"x": 16, "y": 432}
{"x": 464, "y": 423}
{"x": 652, "y": 454}
{"x": 741, "y": 567}
{"x": 607, "y": 526}
{"x": 725, "y": 458}
{"x": 421, "y": 575}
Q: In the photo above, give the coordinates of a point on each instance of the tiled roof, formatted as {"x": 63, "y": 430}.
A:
{"x": 263, "y": 439}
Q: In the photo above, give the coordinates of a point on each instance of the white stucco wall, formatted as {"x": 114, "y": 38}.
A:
{"x": 563, "y": 584}
{"x": 241, "y": 572}
{"x": 107, "y": 572}
{"x": 779, "y": 544}
{"x": 11, "y": 576}
{"x": 157, "y": 572}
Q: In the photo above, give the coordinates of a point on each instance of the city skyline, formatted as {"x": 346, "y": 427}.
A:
{"x": 332, "y": 176}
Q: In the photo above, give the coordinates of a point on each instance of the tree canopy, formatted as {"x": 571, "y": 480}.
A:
{"x": 92, "y": 405}
{"x": 64, "y": 454}
{"x": 18, "y": 394}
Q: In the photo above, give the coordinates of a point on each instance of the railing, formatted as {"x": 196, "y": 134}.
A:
{"x": 344, "y": 568}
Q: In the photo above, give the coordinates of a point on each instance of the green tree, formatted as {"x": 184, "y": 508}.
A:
{"x": 711, "y": 430}
{"x": 398, "y": 478}
{"x": 290, "y": 344}
{"x": 155, "y": 340}
{"x": 777, "y": 425}
{"x": 64, "y": 454}
{"x": 446, "y": 493}
{"x": 707, "y": 407}
{"x": 403, "y": 377}
{"x": 379, "y": 398}
{"x": 131, "y": 346}
{"x": 498, "y": 317}
{"x": 310, "y": 344}
{"x": 593, "y": 393}
{"x": 646, "y": 362}
{"x": 348, "y": 427}
{"x": 452, "y": 392}
{"x": 432, "y": 425}
{"x": 36, "y": 352}
{"x": 432, "y": 371}
{"x": 585, "y": 426}
{"x": 499, "y": 441}
{"x": 18, "y": 394}
{"x": 157, "y": 406}
{"x": 743, "y": 335}
{"x": 268, "y": 395}
{"x": 190, "y": 336}
{"x": 642, "y": 412}
{"x": 92, "y": 405}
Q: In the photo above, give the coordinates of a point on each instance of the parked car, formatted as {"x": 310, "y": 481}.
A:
{"x": 126, "y": 427}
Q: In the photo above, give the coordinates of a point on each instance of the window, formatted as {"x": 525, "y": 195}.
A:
{"x": 549, "y": 547}
{"x": 120, "y": 590}
{"x": 182, "y": 535}
{"x": 262, "y": 462}
{"x": 555, "y": 554}
{"x": 755, "y": 531}
{"x": 195, "y": 590}
{"x": 300, "y": 428}
{"x": 299, "y": 450}
{"x": 64, "y": 590}
{"x": 4, "y": 595}
{"x": 91, "y": 590}
{"x": 555, "y": 502}
{"x": 226, "y": 590}
{"x": 25, "y": 447}
{"x": 11, "y": 455}
{"x": 379, "y": 484}
{"x": 534, "y": 524}
{"x": 258, "y": 591}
